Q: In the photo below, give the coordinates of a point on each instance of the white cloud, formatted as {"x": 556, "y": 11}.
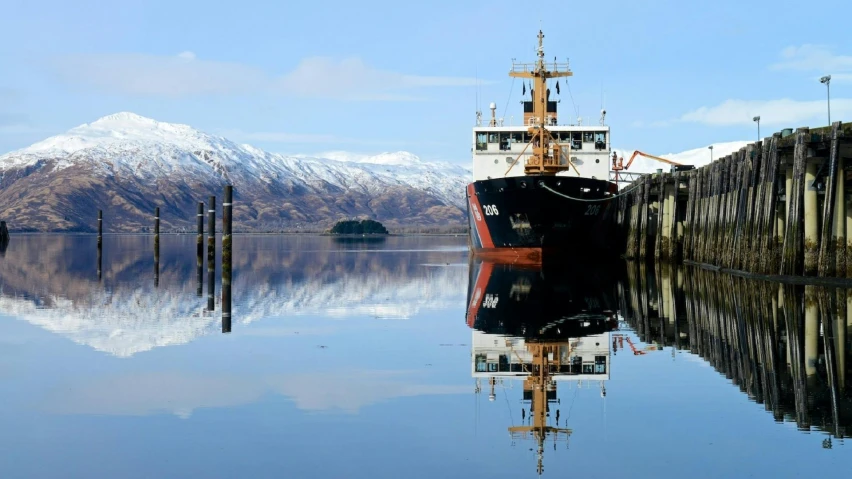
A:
{"x": 816, "y": 58}
{"x": 186, "y": 74}
{"x": 141, "y": 394}
{"x": 784, "y": 112}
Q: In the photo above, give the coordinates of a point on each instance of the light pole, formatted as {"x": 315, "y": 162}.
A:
{"x": 711, "y": 153}
{"x": 827, "y": 80}
{"x": 757, "y": 119}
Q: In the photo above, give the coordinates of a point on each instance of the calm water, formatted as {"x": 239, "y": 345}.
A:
{"x": 376, "y": 360}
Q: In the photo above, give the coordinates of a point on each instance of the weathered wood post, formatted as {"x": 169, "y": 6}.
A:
{"x": 157, "y": 247}
{"x": 793, "y": 237}
{"x": 811, "y": 224}
{"x": 828, "y": 243}
{"x": 226, "y": 259}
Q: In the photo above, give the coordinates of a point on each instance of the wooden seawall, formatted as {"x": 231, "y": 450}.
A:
{"x": 777, "y": 206}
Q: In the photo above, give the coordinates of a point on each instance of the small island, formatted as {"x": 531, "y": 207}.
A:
{"x": 354, "y": 227}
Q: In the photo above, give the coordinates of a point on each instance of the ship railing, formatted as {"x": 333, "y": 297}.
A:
{"x": 531, "y": 67}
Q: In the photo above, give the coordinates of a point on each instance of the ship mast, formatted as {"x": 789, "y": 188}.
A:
{"x": 537, "y": 383}
{"x": 546, "y": 157}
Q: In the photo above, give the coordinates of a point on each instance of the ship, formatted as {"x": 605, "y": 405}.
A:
{"x": 541, "y": 188}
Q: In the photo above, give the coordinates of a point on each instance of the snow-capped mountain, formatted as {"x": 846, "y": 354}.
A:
{"x": 127, "y": 165}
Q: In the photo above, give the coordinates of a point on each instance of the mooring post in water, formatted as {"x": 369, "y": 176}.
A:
{"x": 226, "y": 258}
{"x": 211, "y": 228}
{"x": 211, "y": 251}
{"x": 156, "y": 246}
{"x": 200, "y": 221}
{"x": 227, "y": 203}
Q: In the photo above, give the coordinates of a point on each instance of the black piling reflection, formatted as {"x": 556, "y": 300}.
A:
{"x": 157, "y": 247}
{"x": 100, "y": 241}
{"x": 783, "y": 345}
{"x": 226, "y": 259}
{"x": 4, "y": 238}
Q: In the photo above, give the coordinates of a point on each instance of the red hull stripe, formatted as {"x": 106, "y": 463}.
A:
{"x": 479, "y": 219}
{"x": 478, "y": 292}
{"x": 519, "y": 256}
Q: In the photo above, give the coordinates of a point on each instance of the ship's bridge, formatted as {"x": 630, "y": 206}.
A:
{"x": 496, "y": 149}
{"x": 576, "y": 359}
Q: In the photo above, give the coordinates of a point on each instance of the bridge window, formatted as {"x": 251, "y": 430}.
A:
{"x": 493, "y": 138}
{"x": 588, "y": 137}
{"x": 600, "y": 364}
{"x": 481, "y": 144}
{"x": 576, "y": 140}
{"x": 600, "y": 140}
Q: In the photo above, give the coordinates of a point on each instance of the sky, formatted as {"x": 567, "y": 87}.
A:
{"x": 369, "y": 77}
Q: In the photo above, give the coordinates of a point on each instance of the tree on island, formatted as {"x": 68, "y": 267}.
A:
{"x": 354, "y": 227}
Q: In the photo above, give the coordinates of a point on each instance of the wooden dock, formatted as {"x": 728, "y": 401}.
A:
{"x": 777, "y": 206}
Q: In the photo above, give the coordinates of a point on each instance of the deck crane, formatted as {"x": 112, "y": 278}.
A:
{"x": 618, "y": 163}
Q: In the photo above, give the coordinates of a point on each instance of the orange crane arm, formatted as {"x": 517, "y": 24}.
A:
{"x": 637, "y": 152}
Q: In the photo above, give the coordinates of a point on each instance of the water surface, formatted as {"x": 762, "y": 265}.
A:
{"x": 400, "y": 357}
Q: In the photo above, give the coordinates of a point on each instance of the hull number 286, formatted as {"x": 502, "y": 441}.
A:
{"x": 593, "y": 210}
{"x": 490, "y": 210}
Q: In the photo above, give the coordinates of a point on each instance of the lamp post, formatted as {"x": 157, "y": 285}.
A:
{"x": 711, "y": 153}
{"x": 757, "y": 119}
{"x": 827, "y": 80}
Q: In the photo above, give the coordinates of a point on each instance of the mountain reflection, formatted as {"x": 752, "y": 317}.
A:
{"x": 53, "y": 282}
{"x": 784, "y": 346}
{"x": 544, "y": 327}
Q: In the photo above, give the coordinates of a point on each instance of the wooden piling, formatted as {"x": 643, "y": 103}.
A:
{"x": 829, "y": 236}
{"x": 754, "y": 210}
{"x": 791, "y": 262}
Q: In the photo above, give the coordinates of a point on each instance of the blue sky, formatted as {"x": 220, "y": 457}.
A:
{"x": 367, "y": 77}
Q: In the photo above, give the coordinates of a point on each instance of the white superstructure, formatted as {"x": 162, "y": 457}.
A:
{"x": 499, "y": 356}
{"x": 501, "y": 150}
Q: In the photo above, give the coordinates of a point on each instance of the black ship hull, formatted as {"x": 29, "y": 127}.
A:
{"x": 526, "y": 217}
{"x": 538, "y": 303}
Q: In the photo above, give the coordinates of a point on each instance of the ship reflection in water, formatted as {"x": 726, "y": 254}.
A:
{"x": 545, "y": 328}
{"x": 393, "y": 348}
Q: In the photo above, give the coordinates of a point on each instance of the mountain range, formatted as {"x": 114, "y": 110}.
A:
{"x": 126, "y": 165}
